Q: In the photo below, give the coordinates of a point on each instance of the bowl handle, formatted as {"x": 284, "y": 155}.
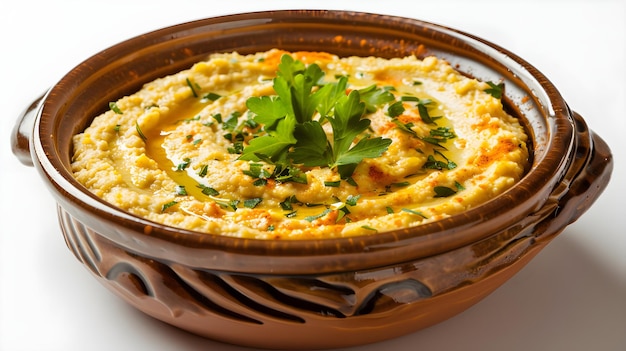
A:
{"x": 588, "y": 175}
{"x": 23, "y": 130}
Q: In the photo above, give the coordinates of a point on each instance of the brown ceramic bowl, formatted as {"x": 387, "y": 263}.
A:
{"x": 322, "y": 293}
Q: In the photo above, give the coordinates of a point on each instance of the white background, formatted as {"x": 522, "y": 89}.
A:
{"x": 572, "y": 296}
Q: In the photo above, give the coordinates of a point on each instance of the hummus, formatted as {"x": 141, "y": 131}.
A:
{"x": 175, "y": 151}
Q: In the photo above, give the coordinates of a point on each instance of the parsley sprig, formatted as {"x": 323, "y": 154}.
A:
{"x": 291, "y": 134}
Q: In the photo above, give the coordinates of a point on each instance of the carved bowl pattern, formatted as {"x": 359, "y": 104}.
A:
{"x": 319, "y": 310}
{"x": 318, "y": 293}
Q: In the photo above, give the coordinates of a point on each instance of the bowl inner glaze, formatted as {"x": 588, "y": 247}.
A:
{"x": 122, "y": 69}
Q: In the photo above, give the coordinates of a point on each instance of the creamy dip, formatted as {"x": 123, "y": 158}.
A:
{"x": 174, "y": 151}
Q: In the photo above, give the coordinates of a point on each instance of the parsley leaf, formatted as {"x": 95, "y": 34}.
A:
{"x": 273, "y": 144}
{"x": 374, "y": 97}
{"x": 268, "y": 110}
{"x": 312, "y": 146}
{"x": 326, "y": 97}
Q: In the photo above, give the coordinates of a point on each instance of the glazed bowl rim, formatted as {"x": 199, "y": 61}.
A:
{"x": 430, "y": 236}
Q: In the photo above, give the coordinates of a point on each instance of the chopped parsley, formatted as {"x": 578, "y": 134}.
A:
{"x": 318, "y": 216}
{"x": 168, "y": 205}
{"x": 413, "y": 212}
{"x": 352, "y": 200}
{"x": 211, "y": 96}
{"x": 444, "y": 191}
{"x": 183, "y": 165}
{"x": 207, "y": 190}
{"x": 433, "y": 163}
{"x": 113, "y": 106}
{"x": 252, "y": 203}
{"x": 203, "y": 171}
{"x": 495, "y": 90}
{"x": 395, "y": 109}
{"x": 180, "y": 190}
{"x": 257, "y": 170}
{"x": 288, "y": 203}
{"x": 141, "y": 135}
{"x": 423, "y": 111}
{"x": 193, "y": 87}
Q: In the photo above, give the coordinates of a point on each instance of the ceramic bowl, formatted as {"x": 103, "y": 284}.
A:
{"x": 314, "y": 293}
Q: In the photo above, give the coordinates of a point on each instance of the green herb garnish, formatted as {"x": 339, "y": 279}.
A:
{"x": 442, "y": 133}
{"x": 252, "y": 203}
{"x": 352, "y": 200}
{"x": 193, "y": 87}
{"x": 225, "y": 203}
{"x": 257, "y": 170}
{"x": 207, "y": 190}
{"x": 168, "y": 205}
{"x": 444, "y": 191}
{"x": 433, "y": 163}
{"x": 211, "y": 97}
{"x": 141, "y": 135}
{"x": 373, "y": 97}
{"x": 318, "y": 216}
{"x": 409, "y": 98}
{"x": 287, "y": 205}
{"x": 413, "y": 212}
{"x": 183, "y": 165}
{"x": 293, "y": 137}
{"x": 203, "y": 170}
{"x": 196, "y": 118}
{"x": 495, "y": 90}
{"x": 113, "y": 106}
{"x": 395, "y": 109}
{"x": 180, "y": 190}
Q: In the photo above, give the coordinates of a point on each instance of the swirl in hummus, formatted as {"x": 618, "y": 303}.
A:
{"x": 176, "y": 151}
